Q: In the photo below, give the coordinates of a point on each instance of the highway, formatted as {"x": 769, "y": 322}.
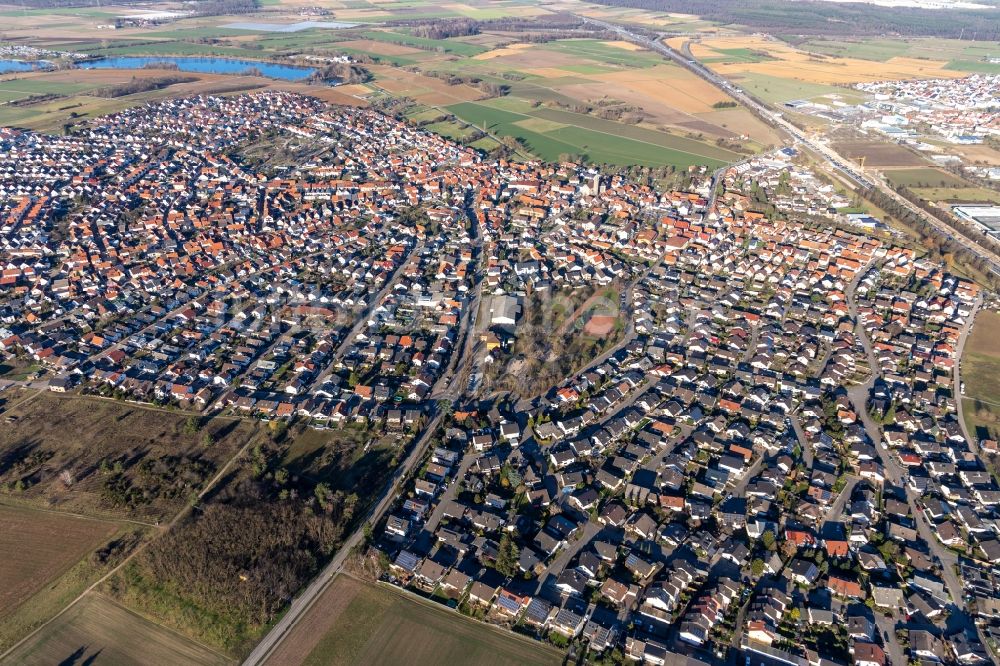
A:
{"x": 836, "y": 162}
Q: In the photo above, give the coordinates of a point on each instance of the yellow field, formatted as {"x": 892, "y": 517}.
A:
{"x": 380, "y": 48}
{"x": 668, "y": 85}
{"x": 540, "y": 124}
{"x": 354, "y": 90}
{"x": 676, "y": 42}
{"x": 791, "y": 63}
{"x": 548, "y": 72}
{"x": 510, "y": 50}
{"x": 628, "y": 46}
{"x": 424, "y": 89}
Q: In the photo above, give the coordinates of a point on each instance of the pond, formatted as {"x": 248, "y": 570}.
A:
{"x": 203, "y": 65}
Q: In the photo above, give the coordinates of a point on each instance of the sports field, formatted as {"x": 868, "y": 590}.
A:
{"x": 357, "y": 623}
{"x": 98, "y": 631}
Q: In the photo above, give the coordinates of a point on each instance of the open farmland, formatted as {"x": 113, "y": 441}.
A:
{"x": 880, "y": 154}
{"x": 602, "y": 78}
{"x": 727, "y": 56}
{"x": 779, "y": 90}
{"x": 38, "y": 547}
{"x": 981, "y": 376}
{"x": 361, "y": 623}
{"x": 98, "y": 631}
{"x": 961, "y": 55}
{"x": 555, "y": 140}
{"x": 106, "y": 458}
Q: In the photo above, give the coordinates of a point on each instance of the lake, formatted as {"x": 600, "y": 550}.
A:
{"x": 19, "y": 66}
{"x": 202, "y": 66}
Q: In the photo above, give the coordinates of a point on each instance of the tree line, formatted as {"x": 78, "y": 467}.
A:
{"x": 139, "y": 85}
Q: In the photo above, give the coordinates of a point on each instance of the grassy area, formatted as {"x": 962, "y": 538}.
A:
{"x": 958, "y": 194}
{"x": 452, "y": 130}
{"x": 961, "y": 53}
{"x": 14, "y": 89}
{"x": 776, "y": 90}
{"x": 923, "y": 177}
{"x": 981, "y": 376}
{"x": 593, "y": 49}
{"x": 669, "y": 141}
{"x": 738, "y": 55}
{"x": 975, "y": 66}
{"x": 180, "y": 48}
{"x": 99, "y": 631}
{"x": 18, "y": 371}
{"x": 363, "y": 623}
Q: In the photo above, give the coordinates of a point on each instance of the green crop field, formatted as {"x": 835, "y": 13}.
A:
{"x": 15, "y": 89}
{"x": 600, "y": 141}
{"x": 179, "y": 48}
{"x": 738, "y": 55}
{"x": 776, "y": 90}
{"x": 445, "y": 45}
{"x": 976, "y": 66}
{"x": 595, "y": 50}
{"x": 452, "y": 130}
{"x": 662, "y": 139}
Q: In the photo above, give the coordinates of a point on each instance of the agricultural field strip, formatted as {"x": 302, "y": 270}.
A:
{"x": 25, "y": 534}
